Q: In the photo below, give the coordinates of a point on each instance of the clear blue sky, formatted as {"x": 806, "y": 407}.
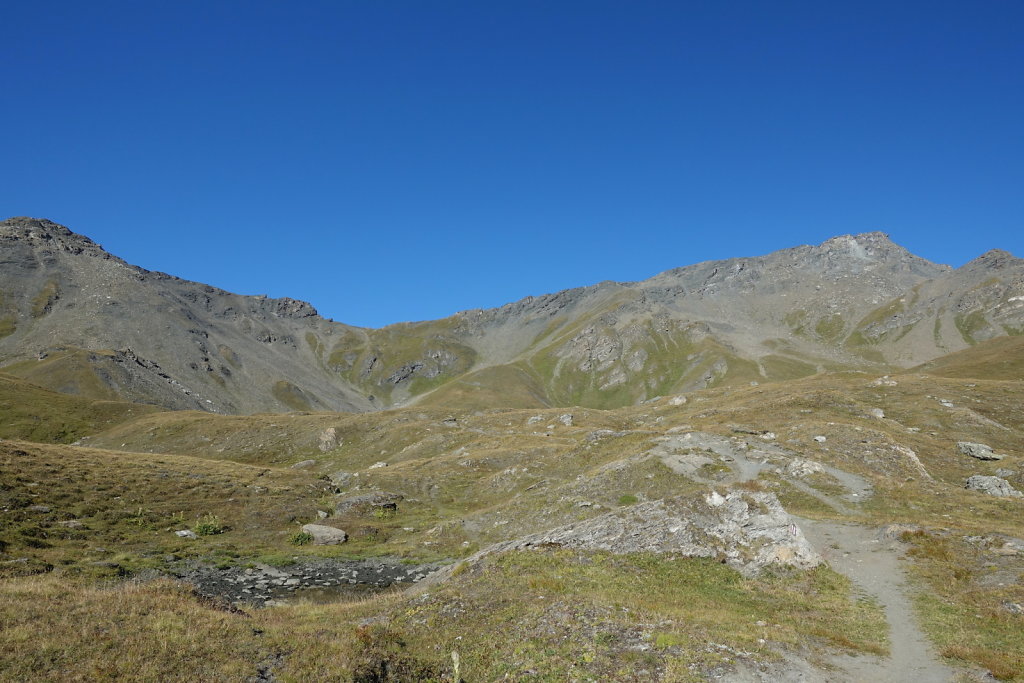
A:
{"x": 393, "y": 161}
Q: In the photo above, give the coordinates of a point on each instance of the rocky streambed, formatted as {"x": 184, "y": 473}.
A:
{"x": 318, "y": 580}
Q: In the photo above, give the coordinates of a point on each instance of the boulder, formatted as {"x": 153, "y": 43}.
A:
{"x": 877, "y": 413}
{"x": 993, "y": 486}
{"x": 325, "y": 535}
{"x": 977, "y": 450}
{"x": 186, "y": 533}
{"x": 303, "y": 465}
{"x": 677, "y": 400}
{"x": 565, "y": 419}
{"x": 329, "y": 440}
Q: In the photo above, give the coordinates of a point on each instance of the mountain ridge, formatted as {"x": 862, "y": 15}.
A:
{"x": 76, "y": 318}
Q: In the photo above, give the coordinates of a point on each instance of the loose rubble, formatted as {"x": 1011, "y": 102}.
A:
{"x": 263, "y": 585}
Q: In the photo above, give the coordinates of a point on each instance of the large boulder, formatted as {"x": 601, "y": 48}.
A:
{"x": 325, "y": 535}
{"x": 977, "y": 450}
{"x": 993, "y": 486}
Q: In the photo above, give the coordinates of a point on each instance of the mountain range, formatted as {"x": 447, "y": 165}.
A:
{"x": 77, "y": 319}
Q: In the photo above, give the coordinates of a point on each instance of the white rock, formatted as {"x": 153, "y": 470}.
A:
{"x": 186, "y": 533}
{"x": 377, "y": 465}
{"x": 820, "y": 439}
{"x": 715, "y": 499}
{"x": 677, "y": 400}
{"x": 325, "y": 535}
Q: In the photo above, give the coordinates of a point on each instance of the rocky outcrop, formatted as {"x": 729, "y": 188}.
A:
{"x": 993, "y": 486}
{"x": 747, "y": 530}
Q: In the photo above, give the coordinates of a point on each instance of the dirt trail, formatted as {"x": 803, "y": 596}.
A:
{"x": 850, "y": 549}
{"x": 874, "y": 567}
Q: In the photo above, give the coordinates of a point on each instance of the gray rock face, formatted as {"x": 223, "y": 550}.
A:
{"x": 325, "y": 535}
{"x": 993, "y": 486}
{"x": 977, "y": 450}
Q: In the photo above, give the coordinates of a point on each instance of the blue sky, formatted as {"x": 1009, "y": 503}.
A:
{"x": 393, "y": 161}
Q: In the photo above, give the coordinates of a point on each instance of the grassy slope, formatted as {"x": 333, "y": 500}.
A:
{"x": 31, "y": 412}
{"x": 129, "y": 504}
{"x": 490, "y": 475}
{"x": 71, "y": 371}
{"x": 1001, "y": 358}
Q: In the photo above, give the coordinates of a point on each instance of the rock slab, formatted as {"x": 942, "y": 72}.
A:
{"x": 977, "y": 450}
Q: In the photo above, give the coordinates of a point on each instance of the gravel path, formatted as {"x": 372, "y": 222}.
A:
{"x": 874, "y": 566}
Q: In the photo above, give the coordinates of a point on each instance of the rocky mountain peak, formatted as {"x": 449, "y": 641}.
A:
{"x": 43, "y": 233}
{"x": 993, "y": 259}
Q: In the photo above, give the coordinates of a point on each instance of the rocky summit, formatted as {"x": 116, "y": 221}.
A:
{"x": 805, "y": 466}
{"x": 78, "y": 320}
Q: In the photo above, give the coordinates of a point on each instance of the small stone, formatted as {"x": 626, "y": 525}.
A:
{"x": 677, "y": 400}
{"x": 877, "y": 413}
{"x": 565, "y": 419}
{"x": 533, "y": 420}
{"x": 820, "y": 439}
{"x": 303, "y": 465}
{"x": 38, "y": 508}
{"x": 186, "y": 533}
{"x": 71, "y": 524}
{"x": 377, "y": 465}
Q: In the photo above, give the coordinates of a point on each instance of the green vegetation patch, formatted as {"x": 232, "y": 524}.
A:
{"x": 970, "y": 325}
{"x": 290, "y": 395}
{"x": 43, "y": 301}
